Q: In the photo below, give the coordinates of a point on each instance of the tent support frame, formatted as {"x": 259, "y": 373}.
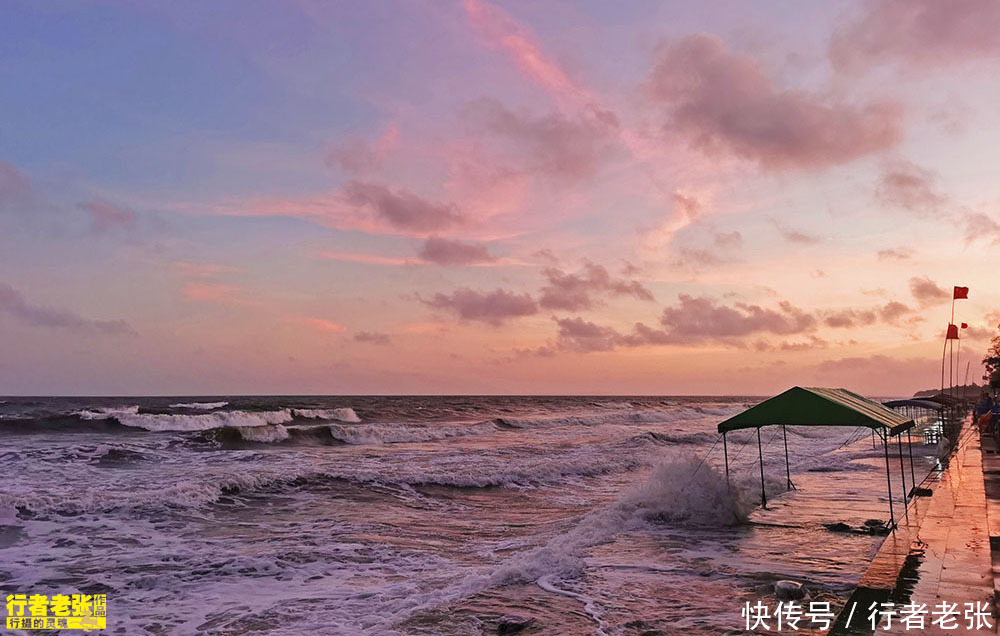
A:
{"x": 909, "y": 448}
{"x": 725, "y": 453}
{"x": 902, "y": 475}
{"x": 760, "y": 456}
{"x": 788, "y": 474}
{"x": 888, "y": 478}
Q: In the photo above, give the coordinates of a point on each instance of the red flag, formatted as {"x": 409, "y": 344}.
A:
{"x": 961, "y": 292}
{"x": 965, "y": 325}
{"x": 952, "y": 332}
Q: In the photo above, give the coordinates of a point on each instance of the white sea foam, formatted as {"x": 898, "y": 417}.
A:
{"x": 205, "y": 406}
{"x": 381, "y": 434}
{"x": 339, "y": 415}
{"x": 204, "y": 421}
{"x": 107, "y": 413}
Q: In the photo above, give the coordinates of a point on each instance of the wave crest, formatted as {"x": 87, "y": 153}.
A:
{"x": 339, "y": 415}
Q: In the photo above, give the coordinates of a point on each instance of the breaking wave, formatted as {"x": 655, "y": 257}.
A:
{"x": 107, "y": 413}
{"x": 339, "y": 415}
{"x": 204, "y": 421}
{"x": 378, "y": 434}
{"x": 204, "y": 406}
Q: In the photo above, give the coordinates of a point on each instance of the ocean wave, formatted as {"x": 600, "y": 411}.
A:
{"x": 106, "y": 413}
{"x": 381, "y": 434}
{"x": 204, "y": 406}
{"x": 264, "y": 434}
{"x": 204, "y": 421}
{"x": 339, "y": 415}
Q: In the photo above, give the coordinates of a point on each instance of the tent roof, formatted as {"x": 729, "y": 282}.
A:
{"x": 813, "y": 406}
{"x": 922, "y": 404}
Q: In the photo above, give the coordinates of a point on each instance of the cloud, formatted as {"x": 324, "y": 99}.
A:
{"x": 687, "y": 208}
{"x": 895, "y": 254}
{"x": 202, "y": 270}
{"x": 14, "y": 303}
{"x": 979, "y": 226}
{"x": 892, "y": 311}
{"x": 372, "y": 337}
{"x": 723, "y": 100}
{"x": 105, "y": 216}
{"x": 846, "y": 318}
{"x": 356, "y": 156}
{"x": 14, "y": 186}
{"x": 918, "y": 33}
{"x": 578, "y": 334}
{"x": 796, "y": 236}
{"x": 401, "y": 208}
{"x": 211, "y": 293}
{"x": 553, "y": 144}
{"x": 728, "y": 240}
{"x": 442, "y": 251}
{"x": 501, "y": 31}
{"x": 695, "y": 320}
{"x": 491, "y": 307}
{"x": 577, "y": 291}
{"x": 906, "y": 185}
{"x": 322, "y": 324}
{"x": 927, "y": 292}
{"x": 889, "y": 313}
{"x": 368, "y": 259}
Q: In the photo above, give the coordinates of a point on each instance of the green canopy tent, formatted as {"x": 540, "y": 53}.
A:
{"x": 812, "y": 406}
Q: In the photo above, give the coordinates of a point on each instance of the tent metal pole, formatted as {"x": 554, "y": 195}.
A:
{"x": 873, "y": 439}
{"x": 788, "y": 474}
{"x": 909, "y": 448}
{"x": 760, "y": 456}
{"x": 888, "y": 480}
{"x": 725, "y": 453}
{"x": 902, "y": 475}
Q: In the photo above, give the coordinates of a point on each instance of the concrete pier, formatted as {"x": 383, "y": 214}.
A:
{"x": 941, "y": 550}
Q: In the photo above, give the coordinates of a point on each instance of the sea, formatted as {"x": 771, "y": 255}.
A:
{"x": 432, "y": 515}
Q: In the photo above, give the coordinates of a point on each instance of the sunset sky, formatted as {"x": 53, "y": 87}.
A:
{"x": 462, "y": 196}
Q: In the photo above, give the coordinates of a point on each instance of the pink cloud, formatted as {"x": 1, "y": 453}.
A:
{"x": 699, "y": 319}
{"x": 14, "y": 185}
{"x": 553, "y": 145}
{"x": 105, "y": 216}
{"x": 579, "y": 290}
{"x": 373, "y": 337}
{"x": 492, "y": 307}
{"x": 442, "y": 251}
{"x": 725, "y": 101}
{"x": 211, "y": 293}
{"x": 356, "y": 156}
{"x": 578, "y": 334}
{"x": 906, "y": 185}
{"x": 401, "y": 208}
{"x": 13, "y": 303}
{"x": 202, "y": 270}
{"x": 321, "y": 324}
{"x": 687, "y": 207}
{"x": 919, "y": 33}
{"x": 979, "y": 226}
{"x": 500, "y": 30}
{"x": 895, "y": 254}
{"x": 369, "y": 259}
{"x": 927, "y": 292}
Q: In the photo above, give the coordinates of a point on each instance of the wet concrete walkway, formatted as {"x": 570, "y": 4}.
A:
{"x": 940, "y": 551}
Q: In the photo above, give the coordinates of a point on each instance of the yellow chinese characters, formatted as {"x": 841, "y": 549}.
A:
{"x": 60, "y": 611}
